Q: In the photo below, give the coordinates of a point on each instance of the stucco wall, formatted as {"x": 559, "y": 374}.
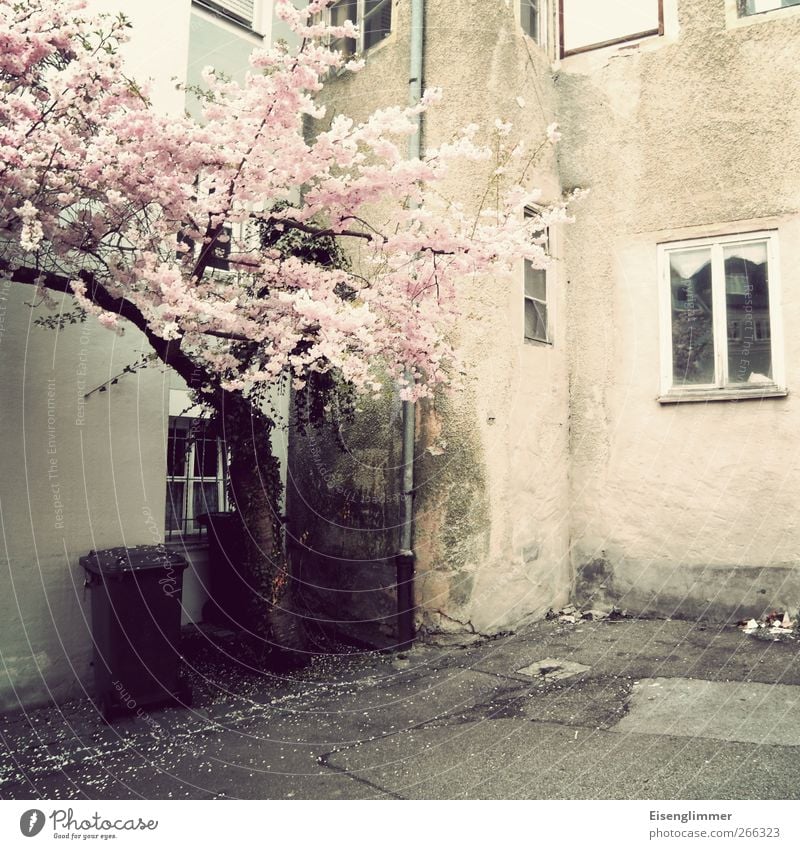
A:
{"x": 77, "y": 474}
{"x": 491, "y": 531}
{"x": 686, "y": 509}
{"x": 157, "y": 50}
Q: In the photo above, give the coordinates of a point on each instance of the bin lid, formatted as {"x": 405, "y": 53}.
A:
{"x": 134, "y": 559}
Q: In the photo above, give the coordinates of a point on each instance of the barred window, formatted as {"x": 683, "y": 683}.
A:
{"x": 196, "y": 469}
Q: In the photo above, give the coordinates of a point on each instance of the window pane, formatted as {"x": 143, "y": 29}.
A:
{"x": 205, "y": 458}
{"x": 588, "y": 22}
{"x": 175, "y": 506}
{"x": 692, "y": 317}
{"x": 529, "y": 18}
{"x": 535, "y": 282}
{"x": 535, "y": 320}
{"x": 377, "y": 23}
{"x": 176, "y": 451}
{"x": 205, "y": 499}
{"x": 344, "y": 10}
{"x": 753, "y": 7}
{"x": 747, "y": 305}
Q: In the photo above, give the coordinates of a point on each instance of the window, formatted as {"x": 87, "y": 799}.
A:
{"x": 372, "y": 17}
{"x": 195, "y": 476}
{"x": 533, "y": 20}
{"x": 588, "y": 24}
{"x": 720, "y": 324}
{"x": 754, "y": 7}
{"x": 241, "y": 11}
{"x": 536, "y": 324}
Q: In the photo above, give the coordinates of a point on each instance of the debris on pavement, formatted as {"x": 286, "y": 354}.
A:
{"x": 553, "y": 669}
{"x": 777, "y": 624}
{"x": 570, "y": 614}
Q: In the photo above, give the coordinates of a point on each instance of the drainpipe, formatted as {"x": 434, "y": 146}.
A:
{"x": 404, "y": 559}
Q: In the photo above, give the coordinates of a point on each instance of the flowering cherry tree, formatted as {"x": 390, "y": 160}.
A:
{"x": 128, "y": 210}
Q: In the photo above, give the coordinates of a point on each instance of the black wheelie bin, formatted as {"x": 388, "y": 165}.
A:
{"x": 136, "y": 623}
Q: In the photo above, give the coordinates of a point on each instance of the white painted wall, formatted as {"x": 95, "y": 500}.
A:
{"x": 158, "y": 50}
{"x": 82, "y": 473}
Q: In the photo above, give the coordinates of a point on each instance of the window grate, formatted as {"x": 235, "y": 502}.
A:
{"x": 196, "y": 477}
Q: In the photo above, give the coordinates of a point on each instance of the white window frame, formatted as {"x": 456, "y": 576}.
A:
{"x": 564, "y": 51}
{"x": 742, "y": 4}
{"x": 723, "y": 388}
{"x": 360, "y": 5}
{"x": 189, "y": 479}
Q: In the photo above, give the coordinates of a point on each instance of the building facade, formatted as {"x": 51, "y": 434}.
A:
{"x": 638, "y": 450}
{"x": 624, "y": 427}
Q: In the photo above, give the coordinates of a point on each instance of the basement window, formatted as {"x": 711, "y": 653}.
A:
{"x": 372, "y": 17}
{"x": 720, "y": 327}
{"x": 756, "y": 7}
{"x": 588, "y": 24}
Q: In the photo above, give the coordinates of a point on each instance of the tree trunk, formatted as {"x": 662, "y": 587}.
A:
{"x": 255, "y": 489}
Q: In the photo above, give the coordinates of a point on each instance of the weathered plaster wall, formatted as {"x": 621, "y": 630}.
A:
{"x": 491, "y": 534}
{"x": 687, "y": 509}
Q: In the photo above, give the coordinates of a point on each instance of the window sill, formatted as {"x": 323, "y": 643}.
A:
{"x": 187, "y": 543}
{"x": 733, "y": 20}
{"x": 703, "y": 395}
{"x": 539, "y": 343}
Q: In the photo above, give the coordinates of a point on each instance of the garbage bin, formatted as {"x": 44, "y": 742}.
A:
{"x": 136, "y": 622}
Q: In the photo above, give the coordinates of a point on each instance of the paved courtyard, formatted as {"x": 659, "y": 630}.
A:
{"x": 627, "y": 709}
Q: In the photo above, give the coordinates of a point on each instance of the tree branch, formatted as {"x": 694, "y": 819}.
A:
{"x": 167, "y": 351}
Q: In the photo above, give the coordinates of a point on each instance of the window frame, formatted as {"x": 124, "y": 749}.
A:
{"x": 722, "y": 388}
{"x": 741, "y": 9}
{"x": 533, "y": 340}
{"x": 609, "y": 42}
{"x": 360, "y": 48}
{"x": 542, "y": 36}
{"x": 186, "y": 529}
{"x": 221, "y": 9}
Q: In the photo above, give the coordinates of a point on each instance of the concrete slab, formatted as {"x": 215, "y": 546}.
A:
{"x": 752, "y": 713}
{"x": 515, "y": 759}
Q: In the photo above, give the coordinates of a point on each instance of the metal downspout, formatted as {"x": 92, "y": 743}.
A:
{"x": 405, "y": 557}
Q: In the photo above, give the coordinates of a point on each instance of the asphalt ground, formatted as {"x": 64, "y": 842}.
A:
{"x": 626, "y": 709}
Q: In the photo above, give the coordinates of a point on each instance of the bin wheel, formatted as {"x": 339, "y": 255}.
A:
{"x": 184, "y": 694}
{"x": 107, "y": 708}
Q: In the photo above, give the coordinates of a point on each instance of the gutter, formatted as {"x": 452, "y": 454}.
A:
{"x": 405, "y": 558}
